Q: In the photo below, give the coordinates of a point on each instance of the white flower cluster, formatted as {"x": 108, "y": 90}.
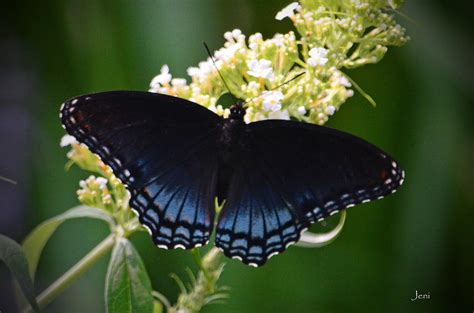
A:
{"x": 333, "y": 35}
{"x": 94, "y": 192}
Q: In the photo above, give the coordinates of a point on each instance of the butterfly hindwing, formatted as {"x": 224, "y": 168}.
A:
{"x": 295, "y": 174}
{"x": 164, "y": 149}
{"x": 256, "y": 221}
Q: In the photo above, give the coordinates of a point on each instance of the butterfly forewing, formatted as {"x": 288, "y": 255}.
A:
{"x": 164, "y": 149}
{"x": 293, "y": 175}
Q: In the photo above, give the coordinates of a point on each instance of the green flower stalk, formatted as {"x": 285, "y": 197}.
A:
{"x": 204, "y": 288}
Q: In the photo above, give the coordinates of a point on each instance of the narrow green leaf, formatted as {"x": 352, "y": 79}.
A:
{"x": 37, "y": 239}
{"x": 127, "y": 286}
{"x": 13, "y": 256}
{"x": 312, "y": 240}
{"x": 361, "y": 91}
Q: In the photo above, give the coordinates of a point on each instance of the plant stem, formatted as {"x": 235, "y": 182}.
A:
{"x": 76, "y": 271}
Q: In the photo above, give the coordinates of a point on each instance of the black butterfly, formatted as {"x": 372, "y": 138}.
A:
{"x": 277, "y": 176}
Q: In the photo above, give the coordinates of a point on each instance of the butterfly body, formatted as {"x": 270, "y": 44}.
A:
{"x": 277, "y": 177}
{"x": 230, "y": 132}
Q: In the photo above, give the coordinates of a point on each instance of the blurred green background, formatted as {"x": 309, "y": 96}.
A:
{"x": 420, "y": 239}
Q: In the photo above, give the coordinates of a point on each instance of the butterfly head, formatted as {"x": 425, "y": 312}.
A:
{"x": 237, "y": 111}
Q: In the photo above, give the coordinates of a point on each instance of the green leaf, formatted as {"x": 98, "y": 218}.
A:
{"x": 127, "y": 286}
{"x": 37, "y": 239}
{"x": 312, "y": 240}
{"x": 13, "y": 256}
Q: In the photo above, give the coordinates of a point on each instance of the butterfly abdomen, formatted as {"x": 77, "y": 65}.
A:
{"x": 231, "y": 132}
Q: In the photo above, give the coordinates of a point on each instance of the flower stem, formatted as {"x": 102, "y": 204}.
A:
{"x": 75, "y": 272}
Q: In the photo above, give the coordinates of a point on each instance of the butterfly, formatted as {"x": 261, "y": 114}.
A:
{"x": 277, "y": 176}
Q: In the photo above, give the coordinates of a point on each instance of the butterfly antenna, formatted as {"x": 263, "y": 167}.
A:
{"x": 215, "y": 65}
{"x": 282, "y": 84}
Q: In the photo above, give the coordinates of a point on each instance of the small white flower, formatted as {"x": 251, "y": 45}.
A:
{"x": 277, "y": 40}
{"x": 178, "y": 82}
{"x": 234, "y": 36}
{"x": 205, "y": 68}
{"x": 272, "y": 101}
{"x": 161, "y": 79}
{"x": 193, "y": 71}
{"x": 228, "y": 36}
{"x": 287, "y": 11}
{"x": 301, "y": 110}
{"x": 253, "y": 85}
{"x": 82, "y": 184}
{"x": 67, "y": 140}
{"x": 344, "y": 81}
{"x": 196, "y": 90}
{"x": 318, "y": 56}
{"x": 101, "y": 181}
{"x": 226, "y": 54}
{"x": 260, "y": 68}
{"x": 279, "y": 115}
{"x": 236, "y": 33}
{"x": 330, "y": 110}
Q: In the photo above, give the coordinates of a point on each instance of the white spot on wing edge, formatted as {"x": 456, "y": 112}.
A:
{"x": 329, "y": 203}
{"x": 253, "y": 264}
{"x": 148, "y": 229}
{"x": 179, "y": 246}
{"x": 236, "y": 257}
{"x": 162, "y": 246}
{"x": 271, "y": 255}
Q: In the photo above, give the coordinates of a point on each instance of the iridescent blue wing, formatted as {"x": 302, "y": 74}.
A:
{"x": 164, "y": 149}
{"x": 290, "y": 175}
